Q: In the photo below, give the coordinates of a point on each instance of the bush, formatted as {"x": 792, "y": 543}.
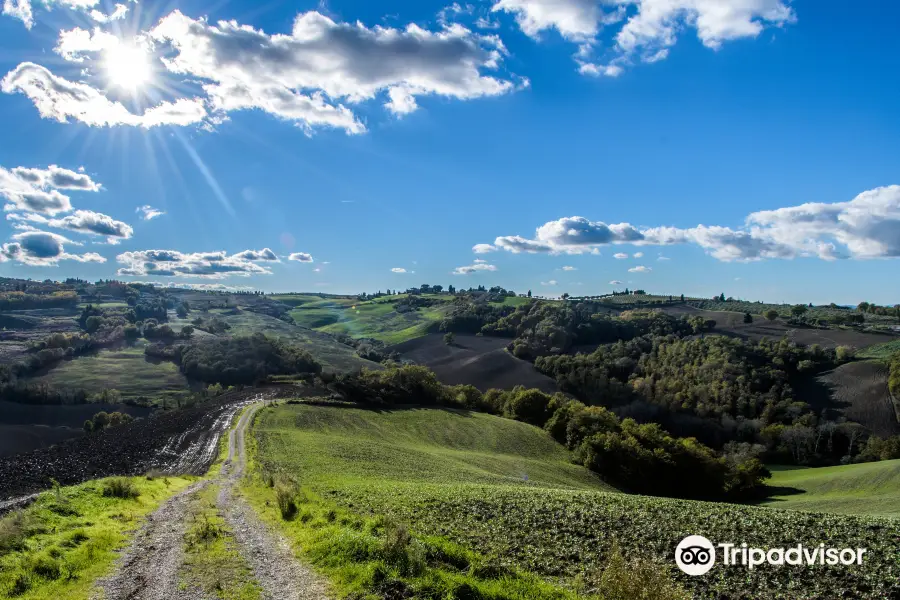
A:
{"x": 285, "y": 495}
{"x": 120, "y": 487}
{"x": 635, "y": 579}
{"x": 449, "y": 338}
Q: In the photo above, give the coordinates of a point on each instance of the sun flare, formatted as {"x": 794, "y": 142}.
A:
{"x": 127, "y": 66}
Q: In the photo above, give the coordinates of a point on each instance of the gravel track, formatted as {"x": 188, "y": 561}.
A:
{"x": 270, "y": 556}
{"x": 148, "y": 570}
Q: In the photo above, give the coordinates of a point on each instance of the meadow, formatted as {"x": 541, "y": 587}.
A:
{"x": 504, "y": 490}
{"x": 374, "y": 319}
{"x": 861, "y": 489}
{"x": 125, "y": 369}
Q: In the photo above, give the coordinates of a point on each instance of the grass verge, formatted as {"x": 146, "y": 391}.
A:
{"x": 68, "y": 538}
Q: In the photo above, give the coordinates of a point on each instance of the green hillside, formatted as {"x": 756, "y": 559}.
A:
{"x": 506, "y": 490}
{"x": 375, "y": 319}
{"x": 863, "y": 489}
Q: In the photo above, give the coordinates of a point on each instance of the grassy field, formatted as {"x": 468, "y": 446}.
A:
{"x": 375, "y": 319}
{"x": 863, "y": 489}
{"x": 61, "y": 544}
{"x": 125, "y": 369}
{"x": 503, "y": 489}
{"x": 881, "y": 351}
{"x": 325, "y": 348}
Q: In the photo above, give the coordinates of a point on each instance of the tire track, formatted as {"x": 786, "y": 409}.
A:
{"x": 277, "y": 570}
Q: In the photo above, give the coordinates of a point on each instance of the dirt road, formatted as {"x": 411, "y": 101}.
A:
{"x": 148, "y": 569}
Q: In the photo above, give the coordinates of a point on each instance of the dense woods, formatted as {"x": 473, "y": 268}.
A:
{"x": 243, "y": 360}
{"x": 16, "y": 300}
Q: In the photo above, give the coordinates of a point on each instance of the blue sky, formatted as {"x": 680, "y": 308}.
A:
{"x": 738, "y": 146}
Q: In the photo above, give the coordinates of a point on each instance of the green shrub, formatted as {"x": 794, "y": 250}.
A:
{"x": 13, "y": 531}
{"x": 120, "y": 487}
{"x": 636, "y": 579}
{"x": 285, "y": 495}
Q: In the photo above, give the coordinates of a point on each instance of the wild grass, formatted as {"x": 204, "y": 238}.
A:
{"x": 882, "y": 352}
{"x": 862, "y": 489}
{"x": 58, "y": 546}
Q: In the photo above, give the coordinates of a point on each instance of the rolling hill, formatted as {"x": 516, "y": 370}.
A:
{"x": 861, "y": 489}
{"x": 505, "y": 490}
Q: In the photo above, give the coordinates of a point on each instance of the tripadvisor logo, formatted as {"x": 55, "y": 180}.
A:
{"x": 696, "y": 555}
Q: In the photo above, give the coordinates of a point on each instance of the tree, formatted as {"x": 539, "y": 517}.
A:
{"x": 771, "y": 314}
{"x": 863, "y": 307}
{"x": 722, "y": 297}
{"x": 748, "y": 318}
{"x": 187, "y": 331}
{"x": 181, "y": 311}
{"x": 449, "y": 338}
{"x": 529, "y": 293}
{"x": 798, "y": 310}
{"x": 565, "y": 296}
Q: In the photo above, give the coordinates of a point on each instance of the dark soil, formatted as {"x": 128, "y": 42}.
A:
{"x": 859, "y": 391}
{"x": 479, "y": 361}
{"x": 175, "y": 441}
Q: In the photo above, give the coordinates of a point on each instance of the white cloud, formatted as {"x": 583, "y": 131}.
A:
{"x": 60, "y": 99}
{"x": 147, "y": 212}
{"x": 19, "y": 9}
{"x": 620, "y": 256}
{"x": 661, "y": 257}
{"x": 483, "y": 248}
{"x": 479, "y": 261}
{"x": 552, "y": 282}
{"x": 638, "y": 255}
{"x": 301, "y": 257}
{"x": 36, "y": 190}
{"x": 264, "y": 255}
{"x": 23, "y": 9}
{"x": 615, "y": 282}
{"x": 567, "y": 268}
{"x": 119, "y": 12}
{"x": 206, "y": 265}
{"x": 42, "y": 249}
{"x": 74, "y": 44}
{"x": 649, "y": 28}
{"x": 93, "y": 223}
{"x": 468, "y": 270}
{"x": 865, "y": 227}
{"x": 302, "y": 76}
{"x": 398, "y": 270}
{"x": 640, "y": 269}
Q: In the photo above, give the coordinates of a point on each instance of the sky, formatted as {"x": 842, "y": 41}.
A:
{"x": 745, "y": 147}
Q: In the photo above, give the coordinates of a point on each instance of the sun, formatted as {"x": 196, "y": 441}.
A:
{"x": 127, "y": 66}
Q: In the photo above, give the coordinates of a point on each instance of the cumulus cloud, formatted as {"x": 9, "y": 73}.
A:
{"x": 207, "y": 265}
{"x": 620, "y": 256}
{"x": 57, "y": 177}
{"x": 567, "y": 268}
{"x": 35, "y": 190}
{"x": 640, "y": 269}
{"x": 147, "y": 212}
{"x": 42, "y": 249}
{"x": 483, "y": 248}
{"x": 94, "y": 223}
{"x": 398, "y": 270}
{"x": 301, "y": 257}
{"x": 868, "y": 226}
{"x": 474, "y": 268}
{"x": 615, "y": 282}
{"x": 74, "y": 44}
{"x": 23, "y": 10}
{"x": 638, "y": 255}
{"x": 304, "y": 75}
{"x": 264, "y": 255}
{"x": 644, "y": 30}
{"x": 552, "y": 282}
{"x": 59, "y": 99}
